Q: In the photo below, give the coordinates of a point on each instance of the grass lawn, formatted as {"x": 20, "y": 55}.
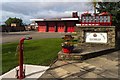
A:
{"x": 37, "y": 52}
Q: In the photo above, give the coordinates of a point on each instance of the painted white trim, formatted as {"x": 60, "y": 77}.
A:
{"x": 54, "y": 19}
{"x": 36, "y": 19}
{"x": 78, "y": 24}
{"x": 87, "y": 24}
{"x": 69, "y": 19}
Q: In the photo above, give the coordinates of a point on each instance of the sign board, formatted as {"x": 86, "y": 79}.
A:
{"x": 96, "y": 37}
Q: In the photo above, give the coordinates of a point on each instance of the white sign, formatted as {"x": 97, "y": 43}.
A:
{"x": 95, "y": 37}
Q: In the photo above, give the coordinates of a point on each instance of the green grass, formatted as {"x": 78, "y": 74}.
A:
{"x": 36, "y": 52}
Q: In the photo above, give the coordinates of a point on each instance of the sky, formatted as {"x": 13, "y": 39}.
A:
{"x": 29, "y": 9}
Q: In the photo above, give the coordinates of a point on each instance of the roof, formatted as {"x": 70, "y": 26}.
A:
{"x": 54, "y": 19}
{"x": 104, "y": 13}
{"x": 36, "y": 19}
{"x": 69, "y": 18}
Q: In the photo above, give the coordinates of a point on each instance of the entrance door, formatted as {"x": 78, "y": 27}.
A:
{"x": 61, "y": 27}
{"x": 41, "y": 27}
{"x": 70, "y": 27}
{"x": 51, "y": 27}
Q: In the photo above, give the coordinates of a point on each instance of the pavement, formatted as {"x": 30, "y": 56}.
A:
{"x": 103, "y": 67}
{"x": 31, "y": 72}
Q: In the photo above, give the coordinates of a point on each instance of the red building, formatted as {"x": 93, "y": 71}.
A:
{"x": 57, "y": 24}
{"x": 68, "y": 24}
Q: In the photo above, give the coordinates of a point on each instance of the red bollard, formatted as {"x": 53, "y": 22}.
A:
{"x": 21, "y": 73}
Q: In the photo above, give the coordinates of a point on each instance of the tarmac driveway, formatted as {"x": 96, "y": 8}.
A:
{"x": 15, "y": 36}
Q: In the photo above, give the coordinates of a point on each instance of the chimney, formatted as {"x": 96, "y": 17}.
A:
{"x": 75, "y": 15}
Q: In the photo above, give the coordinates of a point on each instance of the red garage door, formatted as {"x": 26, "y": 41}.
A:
{"x": 70, "y": 27}
{"x": 41, "y": 27}
{"x": 51, "y": 27}
{"x": 61, "y": 27}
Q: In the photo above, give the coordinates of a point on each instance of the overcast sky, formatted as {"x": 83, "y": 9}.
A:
{"x": 28, "y": 9}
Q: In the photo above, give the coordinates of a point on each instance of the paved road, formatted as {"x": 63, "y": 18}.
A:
{"x": 15, "y": 36}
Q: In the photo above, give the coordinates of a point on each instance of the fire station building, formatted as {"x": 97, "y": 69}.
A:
{"x": 66, "y": 24}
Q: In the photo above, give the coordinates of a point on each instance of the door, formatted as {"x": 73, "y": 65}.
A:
{"x": 61, "y": 27}
{"x": 41, "y": 27}
{"x": 51, "y": 27}
{"x": 70, "y": 27}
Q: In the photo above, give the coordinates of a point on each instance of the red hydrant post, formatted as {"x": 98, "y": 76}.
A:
{"x": 21, "y": 73}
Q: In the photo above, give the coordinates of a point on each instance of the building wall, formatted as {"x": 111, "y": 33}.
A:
{"x": 56, "y": 26}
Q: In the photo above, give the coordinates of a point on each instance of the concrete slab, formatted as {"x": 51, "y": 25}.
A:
{"x": 98, "y": 70}
{"x": 32, "y": 71}
{"x": 89, "y": 68}
{"x": 90, "y": 75}
{"x": 73, "y": 61}
{"x": 81, "y": 64}
{"x": 114, "y": 56}
{"x": 73, "y": 77}
{"x": 47, "y": 75}
{"x": 108, "y": 74}
{"x": 71, "y": 68}
{"x": 102, "y": 62}
{"x": 75, "y": 74}
{"x": 59, "y": 72}
{"x": 59, "y": 63}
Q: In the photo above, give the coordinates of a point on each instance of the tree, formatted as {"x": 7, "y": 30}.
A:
{"x": 111, "y": 7}
{"x": 94, "y": 4}
{"x": 13, "y": 20}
